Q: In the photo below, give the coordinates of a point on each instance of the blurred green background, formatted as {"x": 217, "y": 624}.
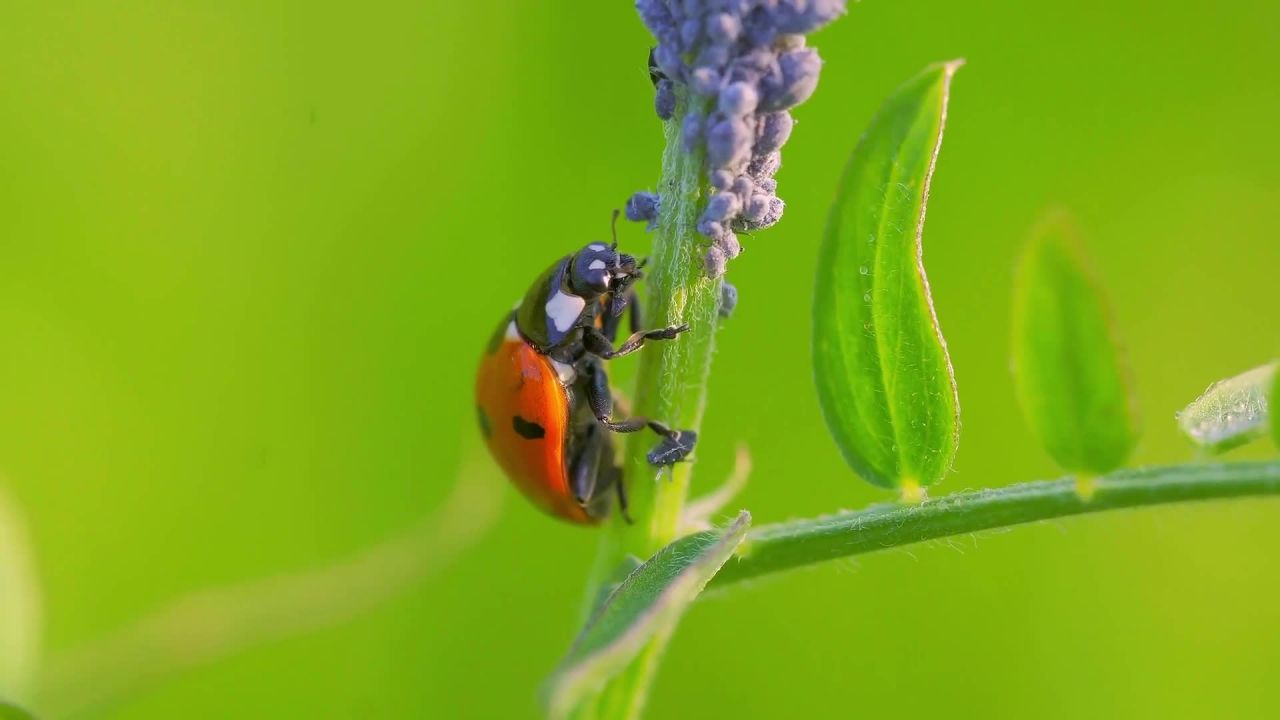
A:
{"x": 249, "y": 253}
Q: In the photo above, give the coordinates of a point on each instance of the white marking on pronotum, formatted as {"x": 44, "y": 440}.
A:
{"x": 597, "y": 247}
{"x": 566, "y": 372}
{"x": 596, "y": 265}
{"x": 564, "y": 310}
{"x": 512, "y": 332}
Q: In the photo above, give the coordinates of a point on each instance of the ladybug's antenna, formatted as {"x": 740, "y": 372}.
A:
{"x": 613, "y": 227}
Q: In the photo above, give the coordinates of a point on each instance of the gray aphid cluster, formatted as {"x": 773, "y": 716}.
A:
{"x": 747, "y": 62}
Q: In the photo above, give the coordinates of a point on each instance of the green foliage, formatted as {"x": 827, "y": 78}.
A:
{"x": 243, "y": 308}
{"x": 648, "y": 603}
{"x": 1230, "y": 412}
{"x": 775, "y": 548}
{"x": 1067, "y": 364}
{"x": 883, "y": 374}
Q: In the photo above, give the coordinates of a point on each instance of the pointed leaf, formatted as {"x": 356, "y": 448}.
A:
{"x": 881, "y": 365}
{"x": 1230, "y": 412}
{"x": 1067, "y": 364}
{"x": 651, "y": 600}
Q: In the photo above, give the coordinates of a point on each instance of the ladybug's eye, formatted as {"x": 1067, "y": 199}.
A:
{"x": 627, "y": 265}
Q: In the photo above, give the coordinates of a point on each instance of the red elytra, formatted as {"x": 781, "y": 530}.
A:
{"x": 524, "y": 414}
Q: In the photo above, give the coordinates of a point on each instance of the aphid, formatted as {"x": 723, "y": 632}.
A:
{"x": 655, "y": 72}
{"x": 664, "y": 96}
{"x": 542, "y": 394}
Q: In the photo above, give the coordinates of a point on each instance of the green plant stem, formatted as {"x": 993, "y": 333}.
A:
{"x": 671, "y": 387}
{"x": 775, "y": 548}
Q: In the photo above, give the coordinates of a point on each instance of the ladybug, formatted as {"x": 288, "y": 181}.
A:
{"x": 542, "y": 394}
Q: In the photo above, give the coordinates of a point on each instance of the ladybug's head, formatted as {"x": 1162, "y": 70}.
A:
{"x": 599, "y": 268}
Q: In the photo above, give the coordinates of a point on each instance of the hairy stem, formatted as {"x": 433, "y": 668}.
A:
{"x": 671, "y": 387}
{"x": 775, "y": 548}
{"x": 673, "y": 375}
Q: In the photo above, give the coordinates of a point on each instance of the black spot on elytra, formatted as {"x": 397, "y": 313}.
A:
{"x": 485, "y": 427}
{"x": 528, "y": 430}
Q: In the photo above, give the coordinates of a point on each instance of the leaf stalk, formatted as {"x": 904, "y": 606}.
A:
{"x": 784, "y": 546}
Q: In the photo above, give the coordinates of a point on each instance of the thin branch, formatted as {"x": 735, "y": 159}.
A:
{"x": 784, "y": 546}
{"x": 212, "y": 624}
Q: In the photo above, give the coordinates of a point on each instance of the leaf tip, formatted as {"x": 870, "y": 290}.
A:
{"x": 738, "y": 529}
{"x": 652, "y": 598}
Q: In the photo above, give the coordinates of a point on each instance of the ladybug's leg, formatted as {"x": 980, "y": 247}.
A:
{"x": 622, "y": 301}
{"x": 675, "y": 445}
{"x": 600, "y": 399}
{"x": 635, "y": 315}
{"x": 609, "y": 326}
{"x": 621, "y": 488}
{"x": 592, "y": 475}
{"x": 597, "y": 344}
{"x": 584, "y": 469}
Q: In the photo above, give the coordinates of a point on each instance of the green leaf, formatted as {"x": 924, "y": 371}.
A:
{"x": 884, "y": 377}
{"x": 1067, "y": 365}
{"x": 10, "y": 712}
{"x": 650, "y": 601}
{"x": 1230, "y": 412}
{"x": 20, "y": 607}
